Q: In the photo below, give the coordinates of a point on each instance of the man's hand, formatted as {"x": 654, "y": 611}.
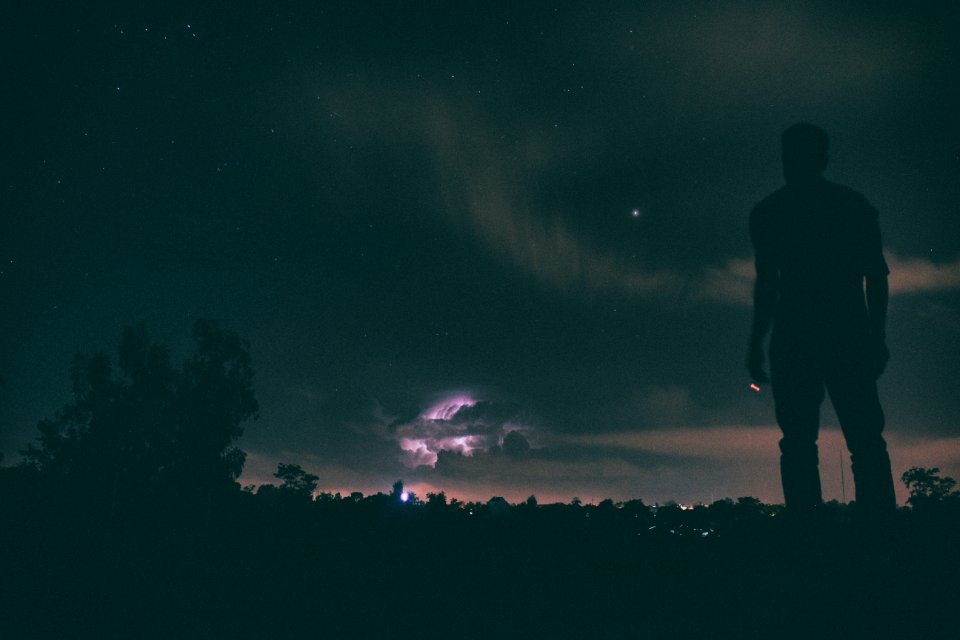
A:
{"x": 755, "y": 363}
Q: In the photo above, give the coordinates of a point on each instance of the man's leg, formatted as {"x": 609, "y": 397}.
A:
{"x": 854, "y": 396}
{"x": 797, "y": 394}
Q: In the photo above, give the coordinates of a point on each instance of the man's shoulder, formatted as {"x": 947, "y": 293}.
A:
{"x": 850, "y": 200}
{"x": 830, "y": 193}
{"x": 842, "y": 191}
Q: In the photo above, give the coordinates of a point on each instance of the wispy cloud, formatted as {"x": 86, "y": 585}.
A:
{"x": 732, "y": 283}
{"x": 919, "y": 275}
{"x": 487, "y": 189}
{"x": 486, "y": 177}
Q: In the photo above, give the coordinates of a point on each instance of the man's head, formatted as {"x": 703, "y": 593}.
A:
{"x": 806, "y": 150}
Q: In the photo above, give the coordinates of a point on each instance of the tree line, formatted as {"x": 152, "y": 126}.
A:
{"x": 145, "y": 428}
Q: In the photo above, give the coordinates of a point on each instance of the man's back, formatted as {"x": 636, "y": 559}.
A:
{"x": 821, "y": 239}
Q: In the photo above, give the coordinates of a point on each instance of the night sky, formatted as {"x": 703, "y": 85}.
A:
{"x": 438, "y": 224}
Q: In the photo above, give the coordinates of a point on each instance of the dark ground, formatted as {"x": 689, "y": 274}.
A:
{"x": 377, "y": 569}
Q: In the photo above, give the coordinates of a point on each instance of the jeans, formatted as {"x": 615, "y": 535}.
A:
{"x": 801, "y": 370}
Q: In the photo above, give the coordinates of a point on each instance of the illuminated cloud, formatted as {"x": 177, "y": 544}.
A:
{"x": 448, "y": 407}
{"x": 456, "y": 424}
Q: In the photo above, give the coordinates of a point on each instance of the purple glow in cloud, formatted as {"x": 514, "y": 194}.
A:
{"x": 457, "y": 422}
{"x": 422, "y": 439}
{"x": 423, "y": 451}
{"x": 447, "y": 408}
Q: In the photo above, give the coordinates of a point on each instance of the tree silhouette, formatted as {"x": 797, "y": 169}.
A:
{"x": 927, "y": 488}
{"x": 296, "y": 481}
{"x": 437, "y": 501}
{"x": 150, "y": 425}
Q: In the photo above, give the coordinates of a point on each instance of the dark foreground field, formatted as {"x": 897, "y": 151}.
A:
{"x": 244, "y": 569}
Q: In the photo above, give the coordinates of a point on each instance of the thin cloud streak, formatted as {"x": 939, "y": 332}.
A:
{"x": 910, "y": 275}
{"x": 732, "y": 283}
{"x": 494, "y": 207}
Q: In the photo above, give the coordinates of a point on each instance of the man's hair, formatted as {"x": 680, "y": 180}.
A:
{"x": 806, "y": 149}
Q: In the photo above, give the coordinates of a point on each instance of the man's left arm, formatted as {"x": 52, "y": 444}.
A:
{"x": 765, "y": 295}
{"x": 877, "y": 292}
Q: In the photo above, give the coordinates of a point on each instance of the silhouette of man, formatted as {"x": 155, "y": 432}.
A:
{"x": 816, "y": 243}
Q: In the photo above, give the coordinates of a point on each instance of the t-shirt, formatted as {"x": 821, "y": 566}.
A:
{"x": 821, "y": 239}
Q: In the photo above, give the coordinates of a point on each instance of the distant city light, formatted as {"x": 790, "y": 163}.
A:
{"x": 404, "y": 496}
